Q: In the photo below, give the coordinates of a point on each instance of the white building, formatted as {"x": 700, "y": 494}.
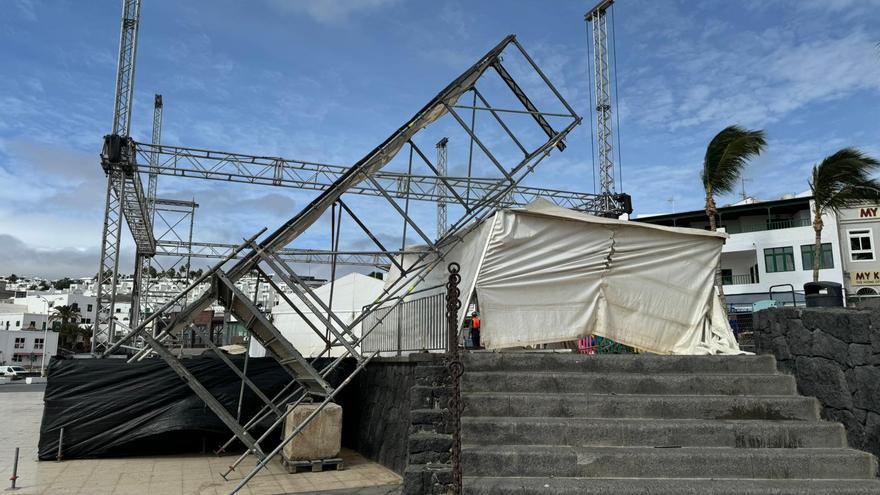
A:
{"x": 26, "y": 348}
{"x": 350, "y": 294}
{"x": 771, "y": 246}
{"x": 44, "y": 302}
{"x": 16, "y": 317}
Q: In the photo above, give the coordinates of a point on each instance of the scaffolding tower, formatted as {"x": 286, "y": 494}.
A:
{"x": 612, "y": 203}
{"x": 363, "y": 195}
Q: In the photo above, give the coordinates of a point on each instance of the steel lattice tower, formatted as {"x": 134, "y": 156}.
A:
{"x": 597, "y": 18}
{"x": 441, "y": 204}
{"x": 124, "y": 190}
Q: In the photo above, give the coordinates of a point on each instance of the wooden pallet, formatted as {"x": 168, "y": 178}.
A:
{"x": 315, "y": 466}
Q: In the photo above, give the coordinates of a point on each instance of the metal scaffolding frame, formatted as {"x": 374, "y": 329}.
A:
{"x": 475, "y": 202}
{"x": 177, "y": 161}
{"x": 124, "y": 161}
{"x": 610, "y": 202}
{"x": 442, "y": 159}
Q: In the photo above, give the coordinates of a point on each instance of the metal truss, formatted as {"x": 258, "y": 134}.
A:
{"x": 142, "y": 265}
{"x": 125, "y": 194}
{"x": 597, "y": 18}
{"x": 264, "y": 257}
{"x": 282, "y": 172}
{"x": 441, "y": 203}
{"x": 218, "y": 250}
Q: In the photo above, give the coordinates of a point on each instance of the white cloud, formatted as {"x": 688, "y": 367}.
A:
{"x": 24, "y": 259}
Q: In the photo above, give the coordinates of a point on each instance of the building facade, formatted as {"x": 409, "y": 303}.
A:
{"x": 26, "y": 348}
{"x": 859, "y": 233}
{"x": 14, "y": 317}
{"x": 770, "y": 248}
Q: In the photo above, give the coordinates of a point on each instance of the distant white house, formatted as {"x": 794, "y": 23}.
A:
{"x": 350, "y": 294}
{"x": 26, "y": 348}
{"x": 45, "y": 301}
{"x": 15, "y": 317}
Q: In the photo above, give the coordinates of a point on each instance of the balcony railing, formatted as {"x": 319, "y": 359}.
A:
{"x": 769, "y": 225}
{"x": 738, "y": 279}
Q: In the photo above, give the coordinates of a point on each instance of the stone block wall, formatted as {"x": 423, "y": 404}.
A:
{"x": 834, "y": 353}
{"x": 395, "y": 414}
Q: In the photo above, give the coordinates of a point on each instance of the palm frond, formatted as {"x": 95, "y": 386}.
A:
{"x": 727, "y": 155}
{"x": 844, "y": 180}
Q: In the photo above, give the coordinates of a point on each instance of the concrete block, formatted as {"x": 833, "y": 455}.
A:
{"x": 321, "y": 439}
{"x": 34, "y": 379}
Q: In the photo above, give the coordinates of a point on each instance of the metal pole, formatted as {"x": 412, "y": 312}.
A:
{"x": 247, "y": 355}
{"x": 14, "y": 477}
{"x": 60, "y": 443}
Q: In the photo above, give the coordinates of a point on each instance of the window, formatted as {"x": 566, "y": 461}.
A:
{"x": 89, "y": 308}
{"x": 19, "y": 342}
{"x": 827, "y": 260}
{"x": 726, "y": 276}
{"x": 119, "y": 310}
{"x": 38, "y": 344}
{"x": 780, "y": 259}
{"x": 866, "y": 291}
{"x": 16, "y": 358}
{"x": 17, "y": 323}
{"x": 861, "y": 245}
{"x": 44, "y": 325}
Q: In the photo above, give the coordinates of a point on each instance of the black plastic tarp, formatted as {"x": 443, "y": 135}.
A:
{"x": 108, "y": 407}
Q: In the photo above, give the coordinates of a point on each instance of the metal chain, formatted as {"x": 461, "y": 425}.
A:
{"x": 456, "y": 369}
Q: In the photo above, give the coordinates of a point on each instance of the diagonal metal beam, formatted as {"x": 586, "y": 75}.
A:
{"x": 526, "y": 102}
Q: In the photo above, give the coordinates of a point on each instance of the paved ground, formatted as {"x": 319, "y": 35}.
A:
{"x": 21, "y": 408}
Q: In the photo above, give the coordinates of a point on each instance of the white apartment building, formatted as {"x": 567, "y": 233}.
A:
{"x": 26, "y": 348}
{"x": 45, "y": 301}
{"x": 17, "y": 317}
{"x": 770, "y": 247}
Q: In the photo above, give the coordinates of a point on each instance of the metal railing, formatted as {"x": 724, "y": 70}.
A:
{"x": 768, "y": 225}
{"x": 738, "y": 279}
{"x": 411, "y": 326}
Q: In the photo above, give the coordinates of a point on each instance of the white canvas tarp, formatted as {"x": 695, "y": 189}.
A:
{"x": 545, "y": 274}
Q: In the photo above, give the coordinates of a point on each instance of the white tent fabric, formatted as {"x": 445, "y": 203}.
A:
{"x": 350, "y": 294}
{"x": 544, "y": 274}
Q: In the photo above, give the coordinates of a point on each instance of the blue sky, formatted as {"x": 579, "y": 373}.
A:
{"x": 328, "y": 80}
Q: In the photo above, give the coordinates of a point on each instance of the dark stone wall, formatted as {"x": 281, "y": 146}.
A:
{"x": 395, "y": 414}
{"x": 834, "y": 353}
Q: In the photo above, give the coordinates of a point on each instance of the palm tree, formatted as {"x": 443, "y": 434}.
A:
{"x": 726, "y": 155}
{"x": 69, "y": 316}
{"x": 842, "y": 180}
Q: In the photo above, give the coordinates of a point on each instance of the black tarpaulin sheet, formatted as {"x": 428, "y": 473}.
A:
{"x": 108, "y": 407}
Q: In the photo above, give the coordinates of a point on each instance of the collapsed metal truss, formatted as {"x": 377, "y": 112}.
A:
{"x": 265, "y": 259}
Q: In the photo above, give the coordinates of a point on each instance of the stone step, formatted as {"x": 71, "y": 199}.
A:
{"x": 662, "y": 486}
{"x": 617, "y": 363}
{"x": 628, "y": 383}
{"x": 641, "y": 406}
{"x": 646, "y": 462}
{"x": 582, "y": 432}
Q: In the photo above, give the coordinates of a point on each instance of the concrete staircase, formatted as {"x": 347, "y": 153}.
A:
{"x": 543, "y": 423}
